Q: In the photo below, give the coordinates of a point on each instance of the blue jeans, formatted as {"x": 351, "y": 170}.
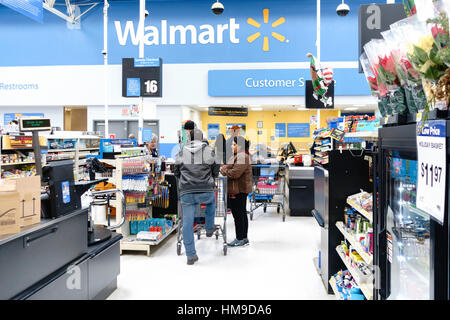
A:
{"x": 190, "y": 203}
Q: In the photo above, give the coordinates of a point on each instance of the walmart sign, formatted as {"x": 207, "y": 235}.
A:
{"x": 178, "y": 34}
{"x": 248, "y": 31}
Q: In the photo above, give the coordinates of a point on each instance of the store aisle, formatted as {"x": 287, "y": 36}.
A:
{"x": 277, "y": 265}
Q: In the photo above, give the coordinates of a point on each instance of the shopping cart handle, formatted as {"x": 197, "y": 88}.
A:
{"x": 319, "y": 219}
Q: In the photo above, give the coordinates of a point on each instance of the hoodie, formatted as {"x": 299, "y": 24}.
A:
{"x": 196, "y": 168}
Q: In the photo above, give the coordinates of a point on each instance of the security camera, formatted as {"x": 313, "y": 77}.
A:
{"x": 217, "y": 8}
{"x": 343, "y": 9}
{"x": 104, "y": 52}
{"x": 146, "y": 13}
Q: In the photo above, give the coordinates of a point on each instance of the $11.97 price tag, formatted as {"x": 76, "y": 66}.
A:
{"x": 431, "y": 156}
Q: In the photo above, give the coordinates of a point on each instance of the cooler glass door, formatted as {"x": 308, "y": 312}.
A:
{"x": 408, "y": 232}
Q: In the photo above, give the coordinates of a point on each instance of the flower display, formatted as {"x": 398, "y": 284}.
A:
{"x": 383, "y": 66}
{"x": 409, "y": 70}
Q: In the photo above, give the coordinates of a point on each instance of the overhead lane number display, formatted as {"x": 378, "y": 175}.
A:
{"x": 142, "y": 77}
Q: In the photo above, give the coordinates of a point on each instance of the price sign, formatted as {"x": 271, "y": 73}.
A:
{"x": 432, "y": 152}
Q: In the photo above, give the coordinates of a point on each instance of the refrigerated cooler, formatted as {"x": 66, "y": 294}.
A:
{"x": 411, "y": 247}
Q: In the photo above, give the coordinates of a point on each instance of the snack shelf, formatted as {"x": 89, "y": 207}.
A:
{"x": 321, "y": 160}
{"x": 366, "y": 214}
{"x": 333, "y": 285}
{"x": 16, "y": 163}
{"x": 366, "y": 288}
{"x": 356, "y": 244}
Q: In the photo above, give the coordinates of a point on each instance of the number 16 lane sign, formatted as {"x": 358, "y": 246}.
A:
{"x": 431, "y": 154}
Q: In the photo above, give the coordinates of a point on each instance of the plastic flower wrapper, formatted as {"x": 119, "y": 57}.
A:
{"x": 372, "y": 81}
{"x": 429, "y": 50}
{"x": 409, "y": 77}
{"x": 370, "y": 50}
{"x": 383, "y": 67}
{"x": 439, "y": 26}
{"x": 423, "y": 50}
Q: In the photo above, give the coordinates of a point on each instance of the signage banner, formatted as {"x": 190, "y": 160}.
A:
{"x": 213, "y": 131}
{"x": 432, "y": 166}
{"x": 311, "y": 102}
{"x": 268, "y": 82}
{"x": 8, "y": 117}
{"x": 298, "y": 130}
{"x": 242, "y": 128}
{"x": 147, "y": 135}
{"x": 228, "y": 112}
{"x": 280, "y": 130}
{"x": 30, "y": 8}
{"x": 279, "y": 82}
{"x": 146, "y": 62}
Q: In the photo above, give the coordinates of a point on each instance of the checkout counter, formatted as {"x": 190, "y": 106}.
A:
{"x": 52, "y": 260}
{"x": 300, "y": 183}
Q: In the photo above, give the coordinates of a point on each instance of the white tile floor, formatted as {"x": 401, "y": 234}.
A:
{"x": 278, "y": 264}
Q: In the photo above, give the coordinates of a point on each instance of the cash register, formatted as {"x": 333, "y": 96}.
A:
{"x": 62, "y": 194}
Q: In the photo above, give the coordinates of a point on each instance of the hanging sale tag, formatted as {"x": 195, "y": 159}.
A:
{"x": 431, "y": 161}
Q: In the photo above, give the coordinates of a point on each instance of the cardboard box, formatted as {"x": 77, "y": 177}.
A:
{"x": 9, "y": 213}
{"x": 29, "y": 189}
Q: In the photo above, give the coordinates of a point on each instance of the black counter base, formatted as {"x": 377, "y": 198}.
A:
{"x": 107, "y": 291}
{"x": 52, "y": 261}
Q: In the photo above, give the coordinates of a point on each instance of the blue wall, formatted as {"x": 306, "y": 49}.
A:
{"x": 339, "y": 35}
{"x": 25, "y": 42}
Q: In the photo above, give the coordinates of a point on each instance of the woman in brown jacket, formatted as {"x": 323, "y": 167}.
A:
{"x": 239, "y": 173}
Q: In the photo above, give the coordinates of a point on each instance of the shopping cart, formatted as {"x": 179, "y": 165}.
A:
{"x": 221, "y": 213}
{"x": 268, "y": 188}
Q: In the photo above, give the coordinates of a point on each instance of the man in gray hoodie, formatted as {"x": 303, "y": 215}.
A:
{"x": 196, "y": 170}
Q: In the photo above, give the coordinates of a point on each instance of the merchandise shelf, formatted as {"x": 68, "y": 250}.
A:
{"x": 71, "y": 150}
{"x": 16, "y": 163}
{"x": 356, "y": 244}
{"x": 130, "y": 242}
{"x": 367, "y": 135}
{"x": 366, "y": 214}
{"x": 332, "y": 282}
{"x": 366, "y": 288}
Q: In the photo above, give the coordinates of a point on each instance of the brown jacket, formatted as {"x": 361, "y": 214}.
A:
{"x": 239, "y": 174}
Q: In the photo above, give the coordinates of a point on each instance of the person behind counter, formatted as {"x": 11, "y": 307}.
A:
{"x": 238, "y": 170}
{"x": 151, "y": 146}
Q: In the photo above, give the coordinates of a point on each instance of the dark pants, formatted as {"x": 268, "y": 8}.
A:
{"x": 238, "y": 206}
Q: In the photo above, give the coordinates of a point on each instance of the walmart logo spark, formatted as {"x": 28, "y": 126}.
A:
{"x": 275, "y": 35}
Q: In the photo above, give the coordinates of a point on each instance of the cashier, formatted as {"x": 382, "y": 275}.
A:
{"x": 151, "y": 146}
